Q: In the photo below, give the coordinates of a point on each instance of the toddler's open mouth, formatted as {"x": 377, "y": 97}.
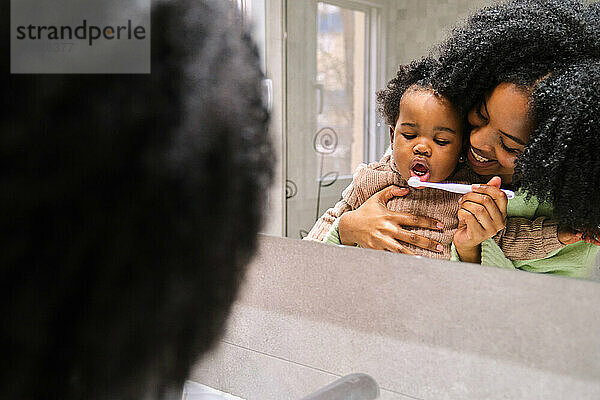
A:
{"x": 420, "y": 168}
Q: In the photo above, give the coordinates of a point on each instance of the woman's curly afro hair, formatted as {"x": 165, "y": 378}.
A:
{"x": 541, "y": 46}
{"x": 561, "y": 164}
{"x": 518, "y": 41}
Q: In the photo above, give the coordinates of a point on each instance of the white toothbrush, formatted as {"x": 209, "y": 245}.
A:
{"x": 414, "y": 181}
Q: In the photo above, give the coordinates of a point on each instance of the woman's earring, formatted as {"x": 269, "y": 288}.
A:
{"x": 461, "y": 159}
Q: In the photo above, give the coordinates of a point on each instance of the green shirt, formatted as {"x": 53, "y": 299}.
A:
{"x": 573, "y": 260}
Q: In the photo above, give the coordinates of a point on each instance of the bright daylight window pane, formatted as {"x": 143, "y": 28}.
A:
{"x": 341, "y": 58}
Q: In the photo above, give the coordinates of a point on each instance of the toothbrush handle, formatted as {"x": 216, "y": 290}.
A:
{"x": 509, "y": 193}
{"x": 452, "y": 187}
{"x": 463, "y": 189}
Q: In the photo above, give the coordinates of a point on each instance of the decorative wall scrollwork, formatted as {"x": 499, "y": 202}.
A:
{"x": 291, "y": 189}
{"x": 329, "y": 178}
{"x": 325, "y": 142}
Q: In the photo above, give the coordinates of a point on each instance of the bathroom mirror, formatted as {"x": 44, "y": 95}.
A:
{"x": 339, "y": 52}
{"x": 325, "y": 60}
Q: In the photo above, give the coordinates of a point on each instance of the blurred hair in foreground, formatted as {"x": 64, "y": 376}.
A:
{"x": 130, "y": 205}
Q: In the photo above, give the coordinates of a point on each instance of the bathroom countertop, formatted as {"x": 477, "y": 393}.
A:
{"x": 309, "y": 313}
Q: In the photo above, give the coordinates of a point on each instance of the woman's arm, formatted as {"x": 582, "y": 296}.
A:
{"x": 374, "y": 226}
{"x": 573, "y": 260}
{"x": 526, "y": 239}
{"x": 325, "y": 222}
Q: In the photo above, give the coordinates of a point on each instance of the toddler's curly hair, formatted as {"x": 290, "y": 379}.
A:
{"x": 417, "y": 73}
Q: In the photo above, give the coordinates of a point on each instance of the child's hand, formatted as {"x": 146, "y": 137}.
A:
{"x": 482, "y": 214}
{"x": 570, "y": 236}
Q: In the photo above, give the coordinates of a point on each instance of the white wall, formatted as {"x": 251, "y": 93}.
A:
{"x": 416, "y": 25}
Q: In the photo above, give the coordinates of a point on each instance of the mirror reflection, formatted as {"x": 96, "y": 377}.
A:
{"x": 465, "y": 93}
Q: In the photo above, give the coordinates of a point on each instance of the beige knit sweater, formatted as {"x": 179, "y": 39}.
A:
{"x": 522, "y": 239}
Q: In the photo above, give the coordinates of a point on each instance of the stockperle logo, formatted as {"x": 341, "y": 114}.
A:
{"x": 80, "y": 36}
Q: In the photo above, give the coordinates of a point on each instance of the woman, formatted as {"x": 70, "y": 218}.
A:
{"x": 494, "y": 66}
{"x": 558, "y": 148}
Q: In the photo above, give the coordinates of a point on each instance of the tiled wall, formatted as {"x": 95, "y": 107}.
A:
{"x": 416, "y": 25}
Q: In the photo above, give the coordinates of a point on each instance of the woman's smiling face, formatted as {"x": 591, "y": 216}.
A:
{"x": 501, "y": 126}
